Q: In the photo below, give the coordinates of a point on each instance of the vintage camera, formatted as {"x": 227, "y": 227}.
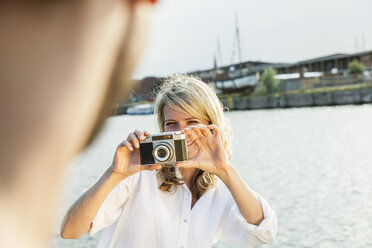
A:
{"x": 164, "y": 148}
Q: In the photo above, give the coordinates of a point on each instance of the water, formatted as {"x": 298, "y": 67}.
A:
{"x": 313, "y": 165}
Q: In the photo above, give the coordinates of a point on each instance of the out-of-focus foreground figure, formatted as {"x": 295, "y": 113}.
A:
{"x": 63, "y": 65}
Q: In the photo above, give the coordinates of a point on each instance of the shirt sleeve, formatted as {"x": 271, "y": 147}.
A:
{"x": 236, "y": 230}
{"x": 112, "y": 206}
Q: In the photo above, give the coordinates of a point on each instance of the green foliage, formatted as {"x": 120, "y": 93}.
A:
{"x": 331, "y": 89}
{"x": 261, "y": 92}
{"x": 269, "y": 81}
{"x": 355, "y": 68}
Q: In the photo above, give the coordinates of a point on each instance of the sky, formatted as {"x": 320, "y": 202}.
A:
{"x": 184, "y": 35}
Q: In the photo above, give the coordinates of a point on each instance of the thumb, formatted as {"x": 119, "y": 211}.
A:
{"x": 186, "y": 164}
{"x": 152, "y": 167}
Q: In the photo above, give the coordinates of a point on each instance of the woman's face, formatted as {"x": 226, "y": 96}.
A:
{"x": 176, "y": 121}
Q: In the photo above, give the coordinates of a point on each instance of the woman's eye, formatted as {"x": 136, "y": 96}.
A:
{"x": 170, "y": 124}
{"x": 193, "y": 122}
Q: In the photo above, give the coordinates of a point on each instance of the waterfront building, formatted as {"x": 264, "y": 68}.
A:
{"x": 244, "y": 77}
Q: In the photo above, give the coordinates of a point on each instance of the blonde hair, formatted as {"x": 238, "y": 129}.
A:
{"x": 188, "y": 94}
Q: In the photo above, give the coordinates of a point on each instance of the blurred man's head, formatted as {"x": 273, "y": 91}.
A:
{"x": 63, "y": 66}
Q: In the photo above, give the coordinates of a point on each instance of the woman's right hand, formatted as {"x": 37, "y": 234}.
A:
{"x": 127, "y": 160}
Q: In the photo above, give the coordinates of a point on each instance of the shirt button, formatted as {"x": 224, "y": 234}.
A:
{"x": 185, "y": 220}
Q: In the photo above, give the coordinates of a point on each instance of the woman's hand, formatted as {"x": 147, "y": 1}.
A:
{"x": 127, "y": 160}
{"x": 209, "y": 151}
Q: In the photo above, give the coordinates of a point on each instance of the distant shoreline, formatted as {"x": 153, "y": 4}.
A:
{"x": 332, "y": 98}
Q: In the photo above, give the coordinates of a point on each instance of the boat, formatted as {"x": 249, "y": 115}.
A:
{"x": 141, "y": 109}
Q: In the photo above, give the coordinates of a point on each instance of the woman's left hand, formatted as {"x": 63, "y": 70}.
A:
{"x": 210, "y": 154}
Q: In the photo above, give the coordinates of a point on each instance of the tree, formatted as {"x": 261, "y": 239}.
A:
{"x": 269, "y": 81}
{"x": 355, "y": 68}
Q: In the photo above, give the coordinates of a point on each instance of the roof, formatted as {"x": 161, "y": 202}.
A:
{"x": 334, "y": 56}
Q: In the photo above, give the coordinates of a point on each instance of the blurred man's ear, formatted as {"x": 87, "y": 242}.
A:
{"x": 151, "y": 1}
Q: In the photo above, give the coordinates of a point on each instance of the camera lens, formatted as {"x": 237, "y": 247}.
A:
{"x": 162, "y": 153}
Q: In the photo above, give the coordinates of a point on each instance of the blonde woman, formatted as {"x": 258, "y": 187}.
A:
{"x": 190, "y": 204}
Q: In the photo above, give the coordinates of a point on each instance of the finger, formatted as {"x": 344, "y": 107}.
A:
{"x": 184, "y": 164}
{"x": 187, "y": 164}
{"x": 188, "y": 128}
{"x": 146, "y": 133}
{"x": 197, "y": 131}
{"x": 152, "y": 167}
{"x": 199, "y": 135}
{"x": 133, "y": 138}
{"x": 140, "y": 135}
{"x": 191, "y": 135}
{"x": 127, "y": 144}
{"x": 201, "y": 130}
{"x": 206, "y": 132}
{"x": 214, "y": 129}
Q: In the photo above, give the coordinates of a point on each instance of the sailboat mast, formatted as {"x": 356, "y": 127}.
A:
{"x": 238, "y": 38}
{"x": 219, "y": 53}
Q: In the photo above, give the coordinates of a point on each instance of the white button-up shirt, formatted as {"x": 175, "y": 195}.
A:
{"x": 137, "y": 214}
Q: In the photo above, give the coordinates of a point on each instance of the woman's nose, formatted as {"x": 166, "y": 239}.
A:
{"x": 182, "y": 126}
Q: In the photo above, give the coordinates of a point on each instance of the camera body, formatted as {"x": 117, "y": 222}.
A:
{"x": 164, "y": 148}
